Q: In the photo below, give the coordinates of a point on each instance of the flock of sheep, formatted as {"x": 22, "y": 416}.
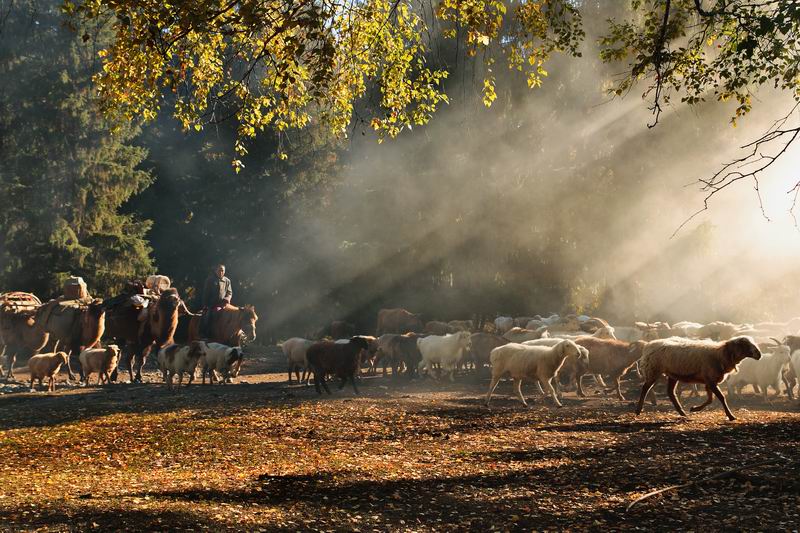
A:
{"x": 553, "y": 351}
{"x": 550, "y": 352}
{"x": 173, "y": 359}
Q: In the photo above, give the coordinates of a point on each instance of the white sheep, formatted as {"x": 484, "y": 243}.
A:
{"x": 100, "y": 360}
{"x": 795, "y": 364}
{"x": 516, "y": 334}
{"x": 46, "y": 365}
{"x": 692, "y": 361}
{"x": 571, "y": 362}
{"x": 447, "y": 351}
{"x": 176, "y": 359}
{"x": 227, "y": 360}
{"x": 531, "y": 362}
{"x": 503, "y": 324}
{"x": 765, "y": 372}
{"x": 295, "y": 351}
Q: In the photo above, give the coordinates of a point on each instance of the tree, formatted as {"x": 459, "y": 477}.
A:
{"x": 277, "y": 64}
{"x": 63, "y": 177}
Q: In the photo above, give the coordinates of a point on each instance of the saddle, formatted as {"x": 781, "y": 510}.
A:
{"x": 19, "y": 303}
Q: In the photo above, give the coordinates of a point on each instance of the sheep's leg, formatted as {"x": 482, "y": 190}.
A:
{"x": 130, "y": 360}
{"x": 599, "y": 379}
{"x": 518, "y": 390}
{"x": 325, "y": 386}
{"x": 32, "y": 388}
{"x": 492, "y": 387}
{"x": 539, "y": 386}
{"x": 553, "y": 392}
{"x": 646, "y": 387}
{"x": 11, "y": 360}
{"x": 671, "y": 385}
{"x": 721, "y": 397}
{"x": 578, "y": 378}
{"x": 705, "y": 404}
{"x": 619, "y": 388}
{"x": 316, "y": 382}
{"x": 353, "y": 382}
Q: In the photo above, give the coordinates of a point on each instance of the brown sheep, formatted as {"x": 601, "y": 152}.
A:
{"x": 608, "y": 357}
{"x": 343, "y": 360}
{"x": 397, "y": 321}
{"x": 692, "y": 361}
{"x": 46, "y": 365}
{"x": 100, "y": 360}
{"x": 403, "y": 350}
{"x": 482, "y": 346}
{"x": 439, "y": 328}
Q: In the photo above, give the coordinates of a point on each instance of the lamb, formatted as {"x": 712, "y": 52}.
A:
{"x": 764, "y": 372}
{"x": 295, "y": 351}
{"x": 609, "y": 357}
{"x": 227, "y": 360}
{"x": 101, "y": 360}
{"x": 343, "y": 360}
{"x": 176, "y": 359}
{"x": 46, "y": 365}
{"x": 693, "y": 361}
{"x": 571, "y": 366}
{"x": 531, "y": 362}
{"x": 448, "y": 351}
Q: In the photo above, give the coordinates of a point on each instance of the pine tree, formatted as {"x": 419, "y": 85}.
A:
{"x": 63, "y": 175}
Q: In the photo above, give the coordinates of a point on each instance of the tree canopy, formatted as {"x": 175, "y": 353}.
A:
{"x": 278, "y": 64}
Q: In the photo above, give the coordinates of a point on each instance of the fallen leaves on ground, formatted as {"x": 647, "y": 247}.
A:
{"x": 422, "y": 456}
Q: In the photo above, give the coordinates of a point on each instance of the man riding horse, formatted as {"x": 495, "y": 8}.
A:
{"x": 217, "y": 294}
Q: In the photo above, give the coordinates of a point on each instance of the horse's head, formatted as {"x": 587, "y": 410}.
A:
{"x": 247, "y": 322}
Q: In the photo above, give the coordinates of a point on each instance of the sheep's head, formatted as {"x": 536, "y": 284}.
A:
{"x": 112, "y": 350}
{"x": 197, "y": 350}
{"x": 361, "y": 342}
{"x": 739, "y": 348}
{"x": 234, "y": 361}
{"x": 636, "y": 348}
{"x": 782, "y": 353}
{"x": 582, "y": 361}
{"x": 465, "y": 339}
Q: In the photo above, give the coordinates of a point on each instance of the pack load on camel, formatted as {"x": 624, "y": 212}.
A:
{"x": 75, "y": 289}
{"x": 143, "y": 317}
{"x": 19, "y": 335}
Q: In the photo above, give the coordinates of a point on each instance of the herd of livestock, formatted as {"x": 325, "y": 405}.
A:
{"x": 551, "y": 352}
{"x": 554, "y": 351}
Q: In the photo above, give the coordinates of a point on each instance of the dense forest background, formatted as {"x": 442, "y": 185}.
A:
{"x": 554, "y": 200}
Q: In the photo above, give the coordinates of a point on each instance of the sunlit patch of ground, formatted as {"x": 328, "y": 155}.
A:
{"x": 421, "y": 456}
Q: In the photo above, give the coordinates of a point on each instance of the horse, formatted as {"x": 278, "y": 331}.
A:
{"x": 232, "y": 326}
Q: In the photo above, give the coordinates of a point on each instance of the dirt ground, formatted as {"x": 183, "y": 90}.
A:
{"x": 419, "y": 456}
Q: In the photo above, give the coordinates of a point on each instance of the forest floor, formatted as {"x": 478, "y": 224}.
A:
{"x": 419, "y": 456}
